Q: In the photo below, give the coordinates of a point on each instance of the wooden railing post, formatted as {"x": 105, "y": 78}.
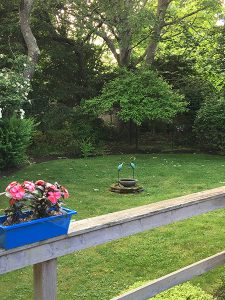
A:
{"x": 45, "y": 280}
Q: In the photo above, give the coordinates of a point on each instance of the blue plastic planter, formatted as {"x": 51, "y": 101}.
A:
{"x": 34, "y": 231}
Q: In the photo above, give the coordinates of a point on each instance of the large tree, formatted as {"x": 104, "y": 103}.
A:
{"x": 132, "y": 29}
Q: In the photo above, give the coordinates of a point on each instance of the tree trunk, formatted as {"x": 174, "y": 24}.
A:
{"x": 160, "y": 22}
{"x": 130, "y": 132}
{"x": 125, "y": 47}
{"x": 31, "y": 43}
{"x": 124, "y": 57}
{"x": 136, "y": 137}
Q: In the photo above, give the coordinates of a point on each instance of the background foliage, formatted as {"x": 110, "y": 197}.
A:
{"x": 96, "y": 55}
{"x": 210, "y": 124}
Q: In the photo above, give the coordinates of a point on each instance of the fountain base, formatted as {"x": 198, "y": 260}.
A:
{"x": 119, "y": 188}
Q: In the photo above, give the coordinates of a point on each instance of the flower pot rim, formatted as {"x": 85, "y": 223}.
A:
{"x": 69, "y": 212}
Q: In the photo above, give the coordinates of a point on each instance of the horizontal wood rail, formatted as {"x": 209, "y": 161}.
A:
{"x": 102, "y": 229}
{"x": 161, "y": 284}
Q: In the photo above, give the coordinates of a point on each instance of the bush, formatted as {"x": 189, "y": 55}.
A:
{"x": 86, "y": 147}
{"x": 54, "y": 142}
{"x": 64, "y": 131}
{"x": 64, "y": 143}
{"x": 85, "y": 126}
{"x": 72, "y": 133}
{"x": 210, "y": 124}
{"x": 54, "y": 118}
{"x": 15, "y": 137}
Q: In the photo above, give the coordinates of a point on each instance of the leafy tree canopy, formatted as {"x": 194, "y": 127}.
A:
{"x": 134, "y": 30}
{"x": 138, "y": 96}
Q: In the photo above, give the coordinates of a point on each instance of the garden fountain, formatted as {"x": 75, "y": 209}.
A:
{"x": 126, "y": 185}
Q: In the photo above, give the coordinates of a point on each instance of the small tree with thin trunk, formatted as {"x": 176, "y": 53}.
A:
{"x": 138, "y": 96}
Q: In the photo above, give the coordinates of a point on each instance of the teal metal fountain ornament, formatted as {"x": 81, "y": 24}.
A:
{"x": 126, "y": 185}
{"x": 119, "y": 168}
{"x": 133, "y": 167}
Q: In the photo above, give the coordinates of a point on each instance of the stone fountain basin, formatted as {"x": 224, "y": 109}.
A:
{"x": 128, "y": 182}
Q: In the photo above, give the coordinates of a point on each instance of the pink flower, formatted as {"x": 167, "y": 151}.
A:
{"x": 54, "y": 196}
{"x": 29, "y": 185}
{"x": 40, "y": 182}
{"x": 16, "y": 192}
{"x": 66, "y": 194}
{"x": 12, "y": 184}
{"x": 51, "y": 186}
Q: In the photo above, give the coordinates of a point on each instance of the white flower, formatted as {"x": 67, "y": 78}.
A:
{"x": 22, "y": 113}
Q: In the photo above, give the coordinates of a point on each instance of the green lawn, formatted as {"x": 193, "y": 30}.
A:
{"x": 103, "y": 272}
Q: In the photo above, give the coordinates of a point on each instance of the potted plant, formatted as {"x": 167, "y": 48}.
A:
{"x": 35, "y": 213}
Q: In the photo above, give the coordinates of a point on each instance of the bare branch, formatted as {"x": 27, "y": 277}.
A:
{"x": 109, "y": 43}
{"x": 140, "y": 58}
{"x": 184, "y": 17}
{"x": 93, "y": 30}
{"x": 142, "y": 40}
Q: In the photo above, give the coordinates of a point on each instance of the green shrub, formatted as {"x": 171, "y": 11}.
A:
{"x": 54, "y": 142}
{"x": 64, "y": 143}
{"x": 75, "y": 134}
{"x": 86, "y": 147}
{"x": 15, "y": 137}
{"x": 210, "y": 124}
{"x": 85, "y": 126}
{"x": 184, "y": 291}
{"x": 55, "y": 117}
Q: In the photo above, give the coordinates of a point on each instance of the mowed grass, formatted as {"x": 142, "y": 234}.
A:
{"x": 102, "y": 272}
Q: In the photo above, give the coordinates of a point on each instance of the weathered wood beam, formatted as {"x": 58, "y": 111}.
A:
{"x": 45, "y": 280}
{"x": 161, "y": 284}
{"x": 99, "y": 230}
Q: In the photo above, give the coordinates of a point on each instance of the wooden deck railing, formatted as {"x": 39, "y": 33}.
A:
{"x": 102, "y": 229}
